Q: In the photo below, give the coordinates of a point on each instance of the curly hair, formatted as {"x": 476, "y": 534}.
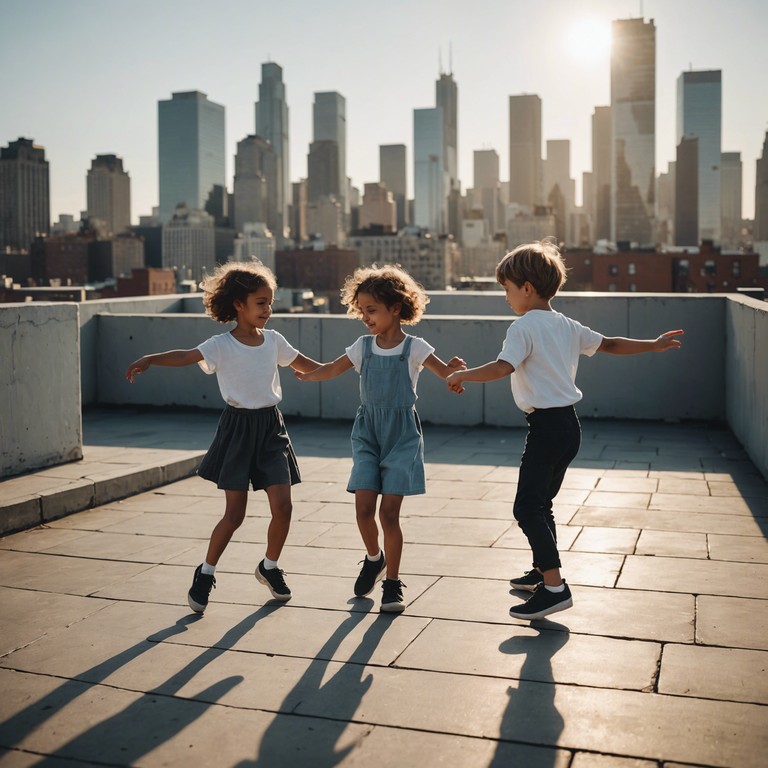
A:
{"x": 233, "y": 282}
{"x": 538, "y": 263}
{"x": 390, "y": 285}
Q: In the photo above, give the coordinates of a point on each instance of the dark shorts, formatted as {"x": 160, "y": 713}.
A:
{"x": 251, "y": 447}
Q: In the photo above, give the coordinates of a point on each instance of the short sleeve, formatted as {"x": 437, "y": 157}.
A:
{"x": 420, "y": 350}
{"x": 589, "y": 340}
{"x": 210, "y": 350}
{"x": 286, "y": 353}
{"x": 517, "y": 346}
{"x": 355, "y": 353}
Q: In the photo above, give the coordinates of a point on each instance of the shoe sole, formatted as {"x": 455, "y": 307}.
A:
{"x": 541, "y": 614}
{"x": 195, "y": 606}
{"x": 392, "y": 607}
{"x": 275, "y": 595}
{"x": 524, "y": 587}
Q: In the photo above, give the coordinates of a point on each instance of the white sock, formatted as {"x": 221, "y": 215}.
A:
{"x": 375, "y": 558}
{"x": 269, "y": 564}
{"x": 555, "y": 589}
{"x": 208, "y": 569}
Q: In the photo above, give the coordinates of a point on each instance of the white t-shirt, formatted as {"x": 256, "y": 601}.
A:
{"x": 543, "y": 347}
{"x": 420, "y": 351}
{"x": 247, "y": 376}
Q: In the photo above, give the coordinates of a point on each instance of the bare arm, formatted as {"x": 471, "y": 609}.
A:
{"x": 492, "y": 371}
{"x": 618, "y": 345}
{"x": 326, "y": 371}
{"x": 304, "y": 364}
{"x": 176, "y": 358}
{"x": 443, "y": 370}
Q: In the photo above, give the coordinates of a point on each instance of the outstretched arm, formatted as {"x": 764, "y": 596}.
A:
{"x": 304, "y": 364}
{"x": 492, "y": 371}
{"x": 176, "y": 358}
{"x": 618, "y": 345}
{"x": 443, "y": 370}
{"x": 326, "y": 371}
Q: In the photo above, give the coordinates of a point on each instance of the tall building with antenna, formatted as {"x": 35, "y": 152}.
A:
{"x": 447, "y": 98}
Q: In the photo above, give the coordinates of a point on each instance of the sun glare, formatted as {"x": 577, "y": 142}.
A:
{"x": 589, "y": 39}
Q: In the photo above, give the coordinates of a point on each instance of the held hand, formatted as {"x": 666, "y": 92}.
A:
{"x": 457, "y": 363}
{"x": 136, "y": 368}
{"x": 307, "y": 376}
{"x": 668, "y": 341}
{"x": 455, "y": 383}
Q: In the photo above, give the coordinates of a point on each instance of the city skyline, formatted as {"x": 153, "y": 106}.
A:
{"x": 77, "y": 108}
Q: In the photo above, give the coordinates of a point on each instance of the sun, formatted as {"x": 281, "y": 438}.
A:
{"x": 589, "y": 39}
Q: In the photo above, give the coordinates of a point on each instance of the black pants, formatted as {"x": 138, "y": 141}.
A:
{"x": 554, "y": 437}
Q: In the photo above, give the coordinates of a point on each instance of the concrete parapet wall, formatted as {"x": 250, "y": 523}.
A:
{"x": 40, "y": 422}
{"x": 689, "y": 384}
{"x": 746, "y": 370}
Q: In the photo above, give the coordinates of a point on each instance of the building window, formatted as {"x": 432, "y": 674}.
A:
{"x": 709, "y": 267}
{"x": 736, "y": 269}
{"x": 632, "y": 269}
{"x": 611, "y": 286}
{"x": 632, "y": 287}
{"x": 613, "y": 270}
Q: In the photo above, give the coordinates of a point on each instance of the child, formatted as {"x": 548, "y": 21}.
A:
{"x": 542, "y": 349}
{"x": 387, "y": 443}
{"x": 251, "y": 444}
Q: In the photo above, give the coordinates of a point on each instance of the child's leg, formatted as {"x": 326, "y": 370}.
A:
{"x": 234, "y": 514}
{"x": 365, "y": 513}
{"x": 281, "y": 507}
{"x": 389, "y": 514}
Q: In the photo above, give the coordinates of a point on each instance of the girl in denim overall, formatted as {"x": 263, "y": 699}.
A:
{"x": 387, "y": 442}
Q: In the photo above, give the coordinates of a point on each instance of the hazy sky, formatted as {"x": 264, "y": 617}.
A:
{"x": 83, "y": 77}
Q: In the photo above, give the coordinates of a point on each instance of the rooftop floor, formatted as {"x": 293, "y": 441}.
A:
{"x": 662, "y": 661}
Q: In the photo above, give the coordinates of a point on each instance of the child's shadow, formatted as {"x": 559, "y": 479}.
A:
{"x": 531, "y": 714}
{"x": 291, "y": 739}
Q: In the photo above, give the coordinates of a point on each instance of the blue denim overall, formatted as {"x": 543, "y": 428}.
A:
{"x": 387, "y": 444}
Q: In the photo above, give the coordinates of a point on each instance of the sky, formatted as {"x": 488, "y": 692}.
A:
{"x": 83, "y": 77}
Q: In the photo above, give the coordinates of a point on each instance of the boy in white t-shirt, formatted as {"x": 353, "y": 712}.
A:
{"x": 542, "y": 349}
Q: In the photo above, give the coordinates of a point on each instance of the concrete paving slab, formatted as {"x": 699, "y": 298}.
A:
{"x": 692, "y": 503}
{"x": 532, "y": 653}
{"x": 615, "y": 500}
{"x": 641, "y": 485}
{"x": 703, "y": 577}
{"x": 731, "y": 621}
{"x": 39, "y": 539}
{"x": 743, "y": 549}
{"x": 615, "y": 540}
{"x": 696, "y": 487}
{"x": 592, "y": 760}
{"x": 94, "y": 519}
{"x": 672, "y": 544}
{"x": 725, "y": 674}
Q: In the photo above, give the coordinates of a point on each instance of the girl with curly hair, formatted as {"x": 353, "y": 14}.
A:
{"x": 387, "y": 442}
{"x": 251, "y": 445}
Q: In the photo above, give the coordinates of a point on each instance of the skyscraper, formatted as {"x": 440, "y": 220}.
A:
{"x": 761, "y": 195}
{"x": 429, "y": 175}
{"x": 633, "y": 131}
{"x": 255, "y": 175}
{"x": 525, "y": 172}
{"x": 686, "y": 197}
{"x": 272, "y": 125}
{"x": 486, "y": 186}
{"x": 601, "y": 170}
{"x": 323, "y": 178}
{"x": 191, "y": 150}
{"x": 699, "y": 115}
{"x": 108, "y": 189}
{"x": 24, "y": 194}
{"x": 559, "y": 187}
{"x": 393, "y": 173}
{"x": 730, "y": 200}
{"x": 447, "y": 98}
{"x": 329, "y": 123}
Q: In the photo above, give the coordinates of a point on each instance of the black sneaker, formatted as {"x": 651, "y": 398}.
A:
{"x": 542, "y": 603}
{"x": 370, "y": 573}
{"x": 528, "y": 582}
{"x": 273, "y": 579}
{"x": 202, "y": 584}
{"x": 392, "y": 597}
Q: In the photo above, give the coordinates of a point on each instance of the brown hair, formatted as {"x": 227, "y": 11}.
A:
{"x": 538, "y": 263}
{"x": 233, "y": 282}
{"x": 390, "y": 285}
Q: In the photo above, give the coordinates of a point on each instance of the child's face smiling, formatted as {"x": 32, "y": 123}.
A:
{"x": 257, "y": 308}
{"x": 378, "y": 317}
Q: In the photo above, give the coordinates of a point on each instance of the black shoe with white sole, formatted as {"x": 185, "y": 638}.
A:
{"x": 542, "y": 603}
{"x": 272, "y": 579}
{"x": 370, "y": 573}
{"x": 202, "y": 584}
{"x": 528, "y": 581}
{"x": 392, "y": 596}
